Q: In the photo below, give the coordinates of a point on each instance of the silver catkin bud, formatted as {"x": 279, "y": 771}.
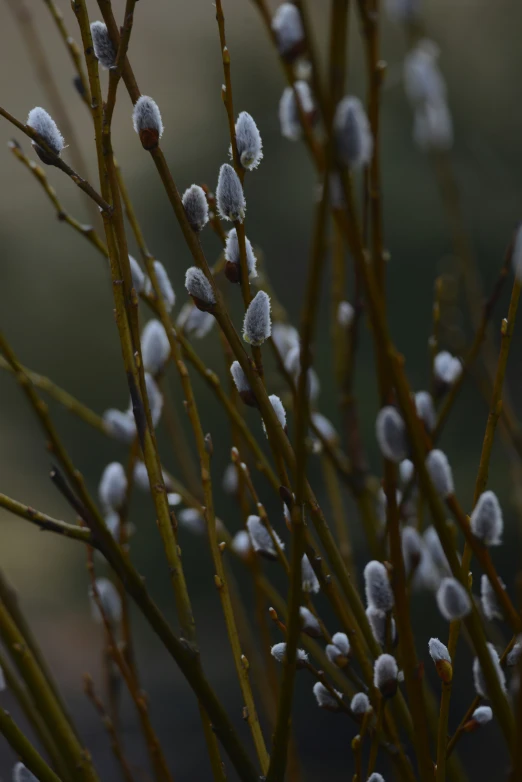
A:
{"x": 113, "y": 486}
{"x": 434, "y": 546}
{"x": 288, "y": 29}
{"x": 440, "y": 472}
{"x": 103, "y": 48}
{"x": 345, "y": 314}
{"x": 377, "y": 586}
{"x": 147, "y": 122}
{"x": 486, "y": 520}
{"x": 515, "y": 654}
{"x": 194, "y": 322}
{"x": 110, "y": 601}
{"x": 489, "y": 600}
{"x": 441, "y": 659}
{"x": 22, "y": 774}
{"x": 232, "y": 256}
{"x": 325, "y": 427}
{"x": 423, "y": 81}
{"x": 352, "y": 133}
{"x": 241, "y": 544}
{"x": 200, "y": 289}
{"x": 325, "y": 699}
{"x": 453, "y": 600}
{"x": 376, "y": 777}
{"x": 46, "y": 127}
{"x": 196, "y": 207}
{"x": 479, "y": 679}
{"x": 120, "y": 425}
{"x": 425, "y": 409}
{"x": 164, "y": 284}
{"x": 230, "y": 481}
{"x": 482, "y": 715}
{"x": 260, "y": 538}
{"x": 242, "y": 385}
{"x": 278, "y": 652}
{"x": 309, "y": 623}
{"x": 192, "y": 520}
{"x": 310, "y": 582}
{"x": 446, "y": 367}
{"x": 289, "y": 119}
{"x": 391, "y": 434}
{"x": 257, "y": 325}
{"x": 433, "y": 127}
{"x": 412, "y": 549}
{"x": 155, "y": 399}
{"x": 230, "y": 198}
{"x": 138, "y": 277}
{"x": 155, "y": 347}
{"x": 248, "y": 141}
{"x": 285, "y": 338}
{"x": 360, "y": 704}
{"x": 385, "y": 675}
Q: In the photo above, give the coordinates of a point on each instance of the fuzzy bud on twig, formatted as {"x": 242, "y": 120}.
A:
{"x": 423, "y": 81}
{"x": 192, "y": 520}
{"x": 46, "y": 127}
{"x": 120, "y": 424}
{"x": 200, "y": 289}
{"x": 376, "y": 777}
{"x": 441, "y": 657}
{"x": 261, "y": 540}
{"x": 285, "y": 338}
{"x": 478, "y": 677}
{"x": 257, "y": 325}
{"x": 514, "y": 655}
{"x": 248, "y": 141}
{"x": 439, "y": 469}
{"x": 113, "y": 486}
{"x": 489, "y": 600}
{"x": 232, "y": 256}
{"x": 453, "y": 600}
{"x": 486, "y": 520}
{"x": 352, "y": 133}
{"x": 479, "y": 718}
{"x": 426, "y": 410}
{"x": 385, "y": 675}
{"x": 377, "y": 585}
{"x": 446, "y": 367}
{"x": 345, "y": 314}
{"x": 155, "y": 347}
{"x": 325, "y": 699}
{"x": 164, "y": 285}
{"x": 288, "y": 28}
{"x": 289, "y": 119}
{"x": 103, "y": 48}
{"x": 309, "y": 623}
{"x": 242, "y": 384}
{"x": 22, "y": 774}
{"x": 391, "y": 434}
{"x": 412, "y": 549}
{"x": 278, "y": 652}
{"x": 109, "y": 599}
{"x": 138, "y": 277}
{"x": 339, "y": 650}
{"x": 230, "y": 198}
{"x": 241, "y": 544}
{"x": 325, "y": 427}
{"x": 155, "y": 398}
{"x": 147, "y": 122}
{"x": 378, "y": 621}
{"x": 196, "y": 207}
{"x": 194, "y": 322}
{"x": 310, "y": 582}
{"x": 360, "y": 704}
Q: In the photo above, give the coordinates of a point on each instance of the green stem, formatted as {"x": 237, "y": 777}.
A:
{"x": 25, "y": 750}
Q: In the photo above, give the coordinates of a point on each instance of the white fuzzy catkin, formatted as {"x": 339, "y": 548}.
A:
{"x": 376, "y": 777}
{"x": 239, "y": 378}
{"x": 453, "y": 600}
{"x": 341, "y": 641}
{"x": 257, "y": 325}
{"x": 438, "y": 652}
{"x": 377, "y": 620}
{"x": 423, "y": 81}
{"x": 434, "y": 546}
{"x": 230, "y": 482}
{"x": 278, "y": 408}
{"x": 278, "y": 651}
{"x": 385, "y": 674}
{"x": 425, "y": 409}
{"x": 293, "y": 366}
{"x": 194, "y": 322}
{"x": 164, "y": 284}
{"x": 199, "y": 287}
{"x": 138, "y": 277}
{"x": 412, "y": 546}
{"x": 377, "y": 586}
{"x": 155, "y": 398}
{"x": 446, "y": 367}
{"x": 47, "y": 128}
{"x": 147, "y": 122}
{"x": 486, "y": 520}
{"x": 113, "y": 486}
{"x": 230, "y": 198}
{"x": 241, "y": 544}
{"x": 479, "y": 678}
{"x": 433, "y": 127}
{"x": 325, "y": 427}
{"x": 406, "y": 471}
{"x": 155, "y": 347}
{"x": 514, "y": 655}
{"x": 360, "y": 704}
{"x": 489, "y": 599}
{"x": 248, "y": 141}
{"x": 260, "y": 538}
{"x": 309, "y": 623}
{"x": 482, "y": 715}
{"x": 109, "y": 599}
{"x": 22, "y": 774}
{"x": 310, "y": 581}
{"x": 391, "y": 434}
{"x": 196, "y": 207}
{"x": 440, "y": 472}
{"x": 289, "y": 119}
{"x": 352, "y": 133}
{"x": 324, "y": 698}
{"x": 232, "y": 253}
{"x": 173, "y": 499}
{"x": 192, "y": 520}
{"x": 345, "y": 314}
{"x": 516, "y": 259}
{"x": 285, "y": 338}
{"x": 103, "y": 48}
{"x": 120, "y": 424}
{"x": 288, "y": 28}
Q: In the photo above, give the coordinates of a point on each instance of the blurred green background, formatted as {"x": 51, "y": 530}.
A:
{"x": 56, "y": 309}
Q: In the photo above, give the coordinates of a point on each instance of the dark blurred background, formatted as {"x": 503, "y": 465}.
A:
{"x": 56, "y": 309}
